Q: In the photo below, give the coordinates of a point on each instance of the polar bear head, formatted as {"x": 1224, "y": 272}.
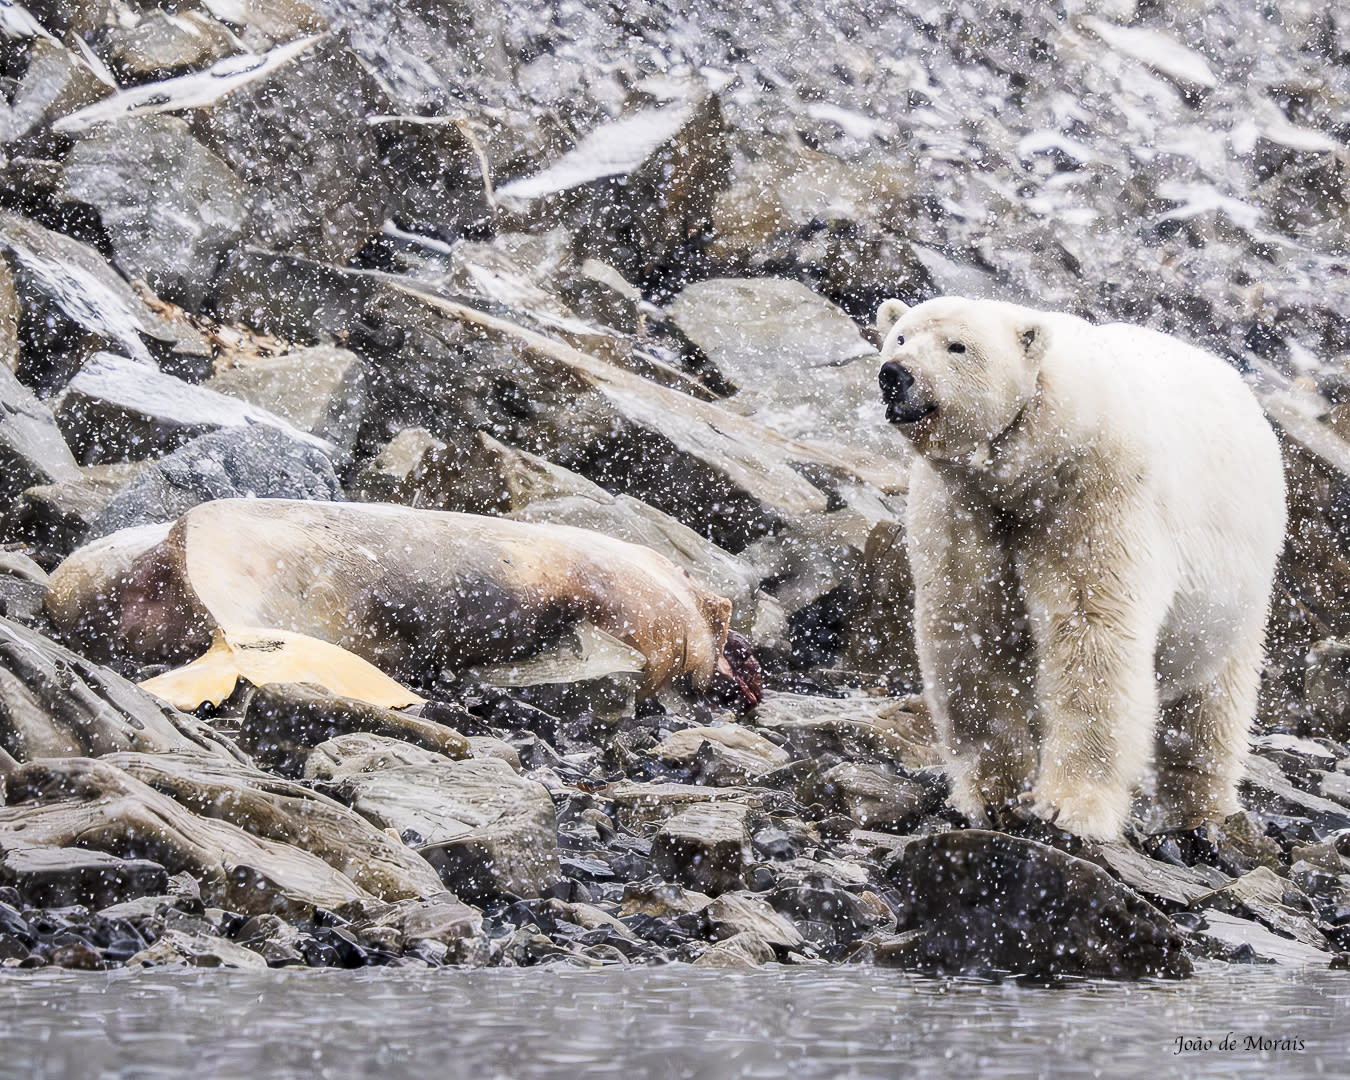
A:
{"x": 956, "y": 374}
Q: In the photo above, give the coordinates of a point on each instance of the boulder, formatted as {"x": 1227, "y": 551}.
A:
{"x": 800, "y": 364}
{"x": 871, "y": 796}
{"x": 177, "y": 948}
{"x": 881, "y": 632}
{"x": 983, "y": 901}
{"x": 290, "y": 123}
{"x": 299, "y": 135}
{"x": 705, "y": 847}
{"x": 1245, "y": 940}
{"x": 833, "y": 221}
{"x": 638, "y": 805}
{"x": 441, "y": 919}
{"x": 288, "y": 813}
{"x": 321, "y": 390}
{"x": 735, "y": 913}
{"x": 170, "y": 207}
{"x": 363, "y": 751}
{"x": 825, "y": 911}
{"x": 116, "y": 409}
{"x": 742, "y": 952}
{"x": 634, "y": 190}
{"x": 233, "y": 463}
{"x": 871, "y": 730}
{"x": 57, "y": 81}
{"x": 56, "y": 517}
{"x": 487, "y": 832}
{"x": 158, "y": 45}
{"x": 741, "y": 755}
{"x": 452, "y": 369}
{"x": 64, "y": 283}
{"x": 442, "y": 187}
{"x": 1326, "y": 687}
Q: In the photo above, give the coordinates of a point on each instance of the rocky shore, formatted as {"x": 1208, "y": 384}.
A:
{"x": 565, "y": 267}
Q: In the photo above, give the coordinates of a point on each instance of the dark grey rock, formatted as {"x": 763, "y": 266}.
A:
{"x": 116, "y": 409}
{"x": 23, "y": 589}
{"x": 825, "y": 912}
{"x": 257, "y": 461}
{"x": 705, "y": 847}
{"x": 55, "y": 518}
{"x": 55, "y": 802}
{"x": 983, "y": 901}
{"x": 1268, "y": 787}
{"x": 170, "y": 207}
{"x": 441, "y": 187}
{"x": 440, "y": 918}
{"x": 159, "y": 45}
{"x": 735, "y": 913}
{"x": 881, "y": 632}
{"x": 1247, "y": 939}
{"x": 57, "y": 81}
{"x": 59, "y": 877}
{"x": 873, "y": 797}
{"x": 1326, "y": 686}
{"x": 273, "y": 809}
{"x": 179, "y": 949}
{"x": 284, "y": 722}
{"x": 753, "y": 329}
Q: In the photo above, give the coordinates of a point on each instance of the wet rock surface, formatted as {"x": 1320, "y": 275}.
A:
{"x": 614, "y": 274}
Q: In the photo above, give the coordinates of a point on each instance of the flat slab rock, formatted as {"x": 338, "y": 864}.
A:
{"x": 55, "y": 703}
{"x": 32, "y": 449}
{"x": 977, "y": 901}
{"x": 59, "y": 802}
{"x": 487, "y": 831}
{"x": 66, "y": 876}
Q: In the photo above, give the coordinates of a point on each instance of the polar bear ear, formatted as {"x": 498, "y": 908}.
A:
{"x": 1033, "y": 337}
{"x": 890, "y": 313}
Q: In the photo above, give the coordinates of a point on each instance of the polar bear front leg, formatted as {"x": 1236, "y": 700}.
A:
{"x": 973, "y": 644}
{"x": 1096, "y": 689}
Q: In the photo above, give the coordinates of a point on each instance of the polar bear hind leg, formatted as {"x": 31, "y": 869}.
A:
{"x": 1202, "y": 744}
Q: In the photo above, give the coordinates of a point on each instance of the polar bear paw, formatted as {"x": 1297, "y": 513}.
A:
{"x": 1089, "y": 815}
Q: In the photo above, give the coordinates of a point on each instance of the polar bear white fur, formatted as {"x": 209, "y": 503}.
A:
{"x": 1095, "y": 514}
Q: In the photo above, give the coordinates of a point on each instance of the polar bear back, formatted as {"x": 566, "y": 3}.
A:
{"x": 1213, "y": 475}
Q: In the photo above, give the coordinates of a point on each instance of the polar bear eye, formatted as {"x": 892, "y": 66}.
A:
{"x": 899, "y": 339}
{"x": 956, "y": 346}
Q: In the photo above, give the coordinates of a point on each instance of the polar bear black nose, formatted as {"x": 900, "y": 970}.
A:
{"x": 895, "y": 382}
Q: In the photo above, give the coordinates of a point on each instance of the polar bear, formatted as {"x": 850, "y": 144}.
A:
{"x": 1094, "y": 518}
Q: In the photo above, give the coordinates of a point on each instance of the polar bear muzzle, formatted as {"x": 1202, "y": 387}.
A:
{"x": 903, "y": 404}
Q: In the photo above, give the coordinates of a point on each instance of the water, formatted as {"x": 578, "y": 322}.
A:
{"x": 677, "y": 1021}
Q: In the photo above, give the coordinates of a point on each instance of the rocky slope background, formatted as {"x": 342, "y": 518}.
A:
{"x": 612, "y": 265}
